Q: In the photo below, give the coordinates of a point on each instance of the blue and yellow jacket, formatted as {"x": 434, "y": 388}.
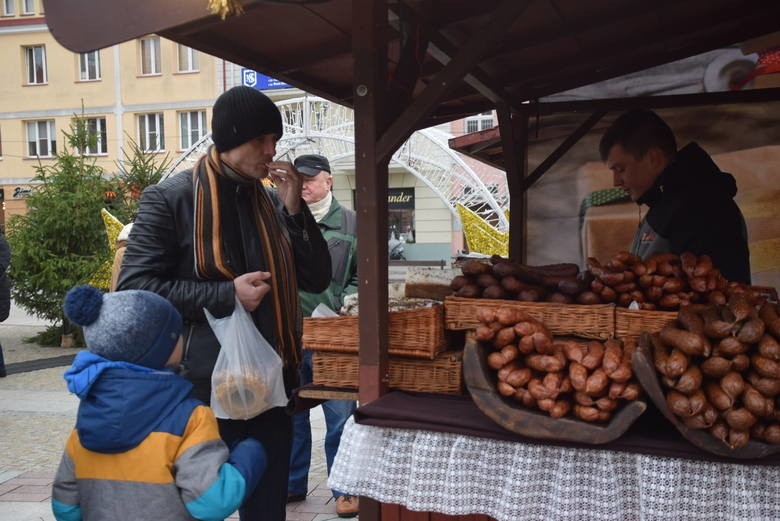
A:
{"x": 143, "y": 449}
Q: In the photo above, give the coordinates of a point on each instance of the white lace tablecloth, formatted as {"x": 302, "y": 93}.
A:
{"x": 455, "y": 474}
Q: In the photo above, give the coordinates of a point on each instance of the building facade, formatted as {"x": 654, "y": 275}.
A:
{"x": 150, "y": 90}
{"x": 158, "y": 94}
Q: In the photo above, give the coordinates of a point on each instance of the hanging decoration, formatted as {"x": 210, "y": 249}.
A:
{"x": 481, "y": 237}
{"x": 102, "y": 276}
{"x": 225, "y": 8}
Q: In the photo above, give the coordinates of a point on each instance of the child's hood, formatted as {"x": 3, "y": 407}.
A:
{"x": 121, "y": 403}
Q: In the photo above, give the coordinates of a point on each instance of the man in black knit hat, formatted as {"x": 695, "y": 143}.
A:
{"x": 214, "y": 237}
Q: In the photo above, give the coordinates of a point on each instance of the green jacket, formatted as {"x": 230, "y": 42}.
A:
{"x": 339, "y": 228}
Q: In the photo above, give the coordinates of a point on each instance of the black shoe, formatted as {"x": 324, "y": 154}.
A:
{"x": 3, "y": 374}
{"x": 347, "y": 506}
{"x": 296, "y": 498}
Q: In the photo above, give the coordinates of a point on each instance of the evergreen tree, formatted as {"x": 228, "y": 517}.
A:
{"x": 137, "y": 170}
{"x": 61, "y": 240}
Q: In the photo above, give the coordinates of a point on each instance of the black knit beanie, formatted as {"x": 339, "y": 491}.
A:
{"x": 242, "y": 114}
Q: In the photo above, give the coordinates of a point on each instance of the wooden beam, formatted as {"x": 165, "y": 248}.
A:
{"x": 545, "y": 108}
{"x": 442, "y": 49}
{"x": 562, "y": 149}
{"x": 371, "y": 179}
{"x": 515, "y": 146}
{"x": 500, "y": 21}
{"x": 369, "y": 22}
{"x": 597, "y": 63}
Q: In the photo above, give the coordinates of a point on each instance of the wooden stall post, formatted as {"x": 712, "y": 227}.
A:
{"x": 515, "y": 145}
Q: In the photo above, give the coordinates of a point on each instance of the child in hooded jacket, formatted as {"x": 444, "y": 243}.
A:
{"x": 142, "y": 448}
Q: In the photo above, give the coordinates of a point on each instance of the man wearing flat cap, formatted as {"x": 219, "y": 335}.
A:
{"x": 213, "y": 236}
{"x": 339, "y": 227}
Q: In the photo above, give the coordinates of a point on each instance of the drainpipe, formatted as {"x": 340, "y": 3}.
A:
{"x": 119, "y": 107}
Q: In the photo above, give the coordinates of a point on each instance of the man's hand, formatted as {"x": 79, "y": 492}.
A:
{"x": 288, "y": 182}
{"x": 251, "y": 288}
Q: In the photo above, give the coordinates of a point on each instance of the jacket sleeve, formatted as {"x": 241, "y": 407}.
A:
{"x": 151, "y": 262}
{"x": 213, "y": 482}
{"x": 717, "y": 230}
{"x": 65, "y": 503}
{"x": 352, "y": 285}
{"x": 5, "y": 297}
{"x": 312, "y": 259}
{"x": 5, "y": 254}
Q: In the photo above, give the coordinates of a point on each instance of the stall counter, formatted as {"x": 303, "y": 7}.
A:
{"x": 441, "y": 454}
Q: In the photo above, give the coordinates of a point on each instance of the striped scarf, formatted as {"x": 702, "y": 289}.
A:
{"x": 275, "y": 249}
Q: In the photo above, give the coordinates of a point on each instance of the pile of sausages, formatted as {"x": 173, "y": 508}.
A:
{"x": 661, "y": 282}
{"x": 557, "y": 376}
{"x": 720, "y": 367}
{"x": 503, "y": 279}
{"x": 664, "y": 281}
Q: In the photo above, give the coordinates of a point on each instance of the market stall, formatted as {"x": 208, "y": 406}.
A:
{"x": 411, "y": 64}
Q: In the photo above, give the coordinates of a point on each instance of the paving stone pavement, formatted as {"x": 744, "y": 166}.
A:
{"x": 37, "y": 413}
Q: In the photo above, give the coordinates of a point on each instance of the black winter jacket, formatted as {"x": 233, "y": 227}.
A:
{"x": 5, "y": 283}
{"x": 692, "y": 209}
{"x": 160, "y": 257}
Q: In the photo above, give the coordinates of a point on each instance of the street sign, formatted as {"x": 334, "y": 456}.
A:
{"x": 259, "y": 81}
{"x": 249, "y": 77}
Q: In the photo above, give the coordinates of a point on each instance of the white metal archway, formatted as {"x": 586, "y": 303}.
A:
{"x": 316, "y": 125}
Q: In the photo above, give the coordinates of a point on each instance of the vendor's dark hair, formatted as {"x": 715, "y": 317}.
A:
{"x": 636, "y": 131}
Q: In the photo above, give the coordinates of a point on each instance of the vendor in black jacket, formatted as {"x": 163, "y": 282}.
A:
{"x": 691, "y": 201}
{"x": 207, "y": 236}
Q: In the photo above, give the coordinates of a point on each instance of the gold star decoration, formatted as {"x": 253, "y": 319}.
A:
{"x": 481, "y": 237}
{"x": 102, "y": 276}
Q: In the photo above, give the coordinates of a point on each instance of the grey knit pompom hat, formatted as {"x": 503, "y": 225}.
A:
{"x": 132, "y": 326}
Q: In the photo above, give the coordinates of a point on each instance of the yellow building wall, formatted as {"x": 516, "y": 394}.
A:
{"x": 119, "y": 96}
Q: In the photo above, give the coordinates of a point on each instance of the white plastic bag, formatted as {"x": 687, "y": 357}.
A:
{"x": 323, "y": 310}
{"x": 247, "y": 378}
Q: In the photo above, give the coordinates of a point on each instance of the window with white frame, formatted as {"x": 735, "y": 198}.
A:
{"x": 151, "y": 136}
{"x": 36, "y": 64}
{"x": 192, "y": 127}
{"x": 41, "y": 138}
{"x": 89, "y": 66}
{"x": 479, "y": 122}
{"x": 188, "y": 59}
{"x": 97, "y": 144}
{"x": 150, "y": 55}
{"x": 9, "y": 7}
{"x": 28, "y": 6}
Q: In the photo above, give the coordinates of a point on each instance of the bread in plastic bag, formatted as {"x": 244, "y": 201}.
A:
{"x": 247, "y": 378}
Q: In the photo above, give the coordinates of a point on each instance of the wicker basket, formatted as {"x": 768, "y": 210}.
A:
{"x": 417, "y": 333}
{"x": 443, "y": 375}
{"x": 594, "y": 321}
{"x": 629, "y": 323}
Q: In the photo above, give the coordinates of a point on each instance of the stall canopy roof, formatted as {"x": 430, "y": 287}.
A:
{"x": 528, "y": 49}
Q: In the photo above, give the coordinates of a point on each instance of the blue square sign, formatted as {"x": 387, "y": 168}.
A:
{"x": 259, "y": 81}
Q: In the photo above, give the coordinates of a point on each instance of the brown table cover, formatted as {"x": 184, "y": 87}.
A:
{"x": 651, "y": 434}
